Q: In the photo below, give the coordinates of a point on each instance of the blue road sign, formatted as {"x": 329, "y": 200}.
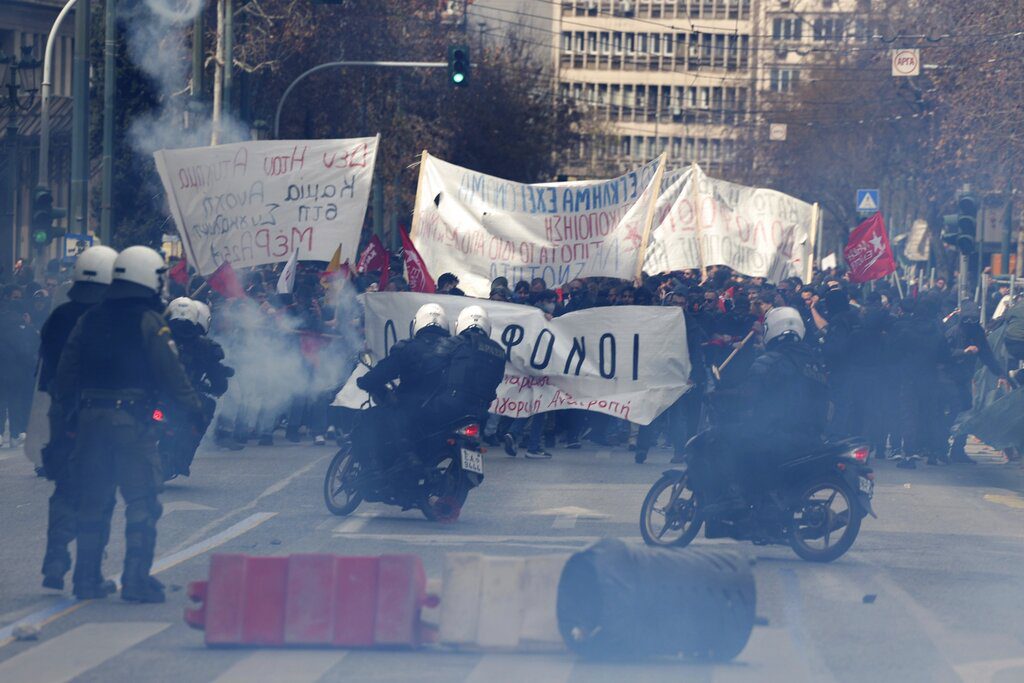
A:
{"x": 867, "y": 201}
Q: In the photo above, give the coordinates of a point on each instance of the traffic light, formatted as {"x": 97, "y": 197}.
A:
{"x": 43, "y": 216}
{"x": 960, "y": 229}
{"x": 458, "y": 65}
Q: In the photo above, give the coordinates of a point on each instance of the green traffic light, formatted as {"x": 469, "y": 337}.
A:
{"x": 40, "y": 237}
{"x": 458, "y": 77}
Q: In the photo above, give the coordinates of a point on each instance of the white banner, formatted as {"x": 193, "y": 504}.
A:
{"x": 251, "y": 203}
{"x": 757, "y": 232}
{"x": 479, "y": 227}
{"x": 629, "y": 361}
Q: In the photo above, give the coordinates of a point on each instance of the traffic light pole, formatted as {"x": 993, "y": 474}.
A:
{"x": 334, "y": 65}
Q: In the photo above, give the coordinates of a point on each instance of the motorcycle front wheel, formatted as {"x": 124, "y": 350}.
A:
{"x": 444, "y": 492}
{"x": 341, "y": 497}
{"x": 825, "y": 522}
{"x": 669, "y": 516}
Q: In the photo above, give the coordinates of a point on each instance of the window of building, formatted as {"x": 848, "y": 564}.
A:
{"x": 617, "y": 43}
{"x": 605, "y": 43}
{"x": 677, "y": 148}
{"x": 592, "y": 43}
{"x": 566, "y": 41}
{"x": 784, "y": 80}
{"x": 787, "y": 29}
{"x": 828, "y": 29}
{"x": 630, "y": 43}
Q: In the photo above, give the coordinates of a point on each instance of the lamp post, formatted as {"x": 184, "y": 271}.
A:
{"x": 19, "y": 78}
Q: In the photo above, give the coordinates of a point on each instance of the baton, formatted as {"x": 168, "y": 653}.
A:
{"x": 717, "y": 369}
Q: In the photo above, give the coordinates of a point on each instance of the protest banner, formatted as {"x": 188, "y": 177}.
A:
{"x": 480, "y": 227}
{"x": 252, "y": 203}
{"x": 630, "y": 362}
{"x": 704, "y": 221}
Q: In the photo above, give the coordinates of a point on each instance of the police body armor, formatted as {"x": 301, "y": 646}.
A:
{"x": 116, "y": 372}
{"x": 476, "y": 366}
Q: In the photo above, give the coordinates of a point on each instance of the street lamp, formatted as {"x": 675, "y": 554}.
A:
{"x": 17, "y": 74}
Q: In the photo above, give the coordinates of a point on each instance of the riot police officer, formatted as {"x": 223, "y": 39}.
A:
{"x": 476, "y": 366}
{"x": 119, "y": 361}
{"x": 93, "y": 271}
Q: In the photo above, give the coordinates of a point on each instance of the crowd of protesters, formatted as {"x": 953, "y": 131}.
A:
{"x": 900, "y": 360}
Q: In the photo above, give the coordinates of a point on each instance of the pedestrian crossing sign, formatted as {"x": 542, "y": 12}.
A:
{"x": 867, "y": 201}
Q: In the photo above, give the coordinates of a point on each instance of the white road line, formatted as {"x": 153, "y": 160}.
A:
{"x": 65, "y": 606}
{"x": 770, "y": 655}
{"x": 564, "y": 522}
{"x": 73, "y": 653}
{"x": 520, "y": 668}
{"x": 353, "y": 524}
{"x": 985, "y": 672}
{"x": 281, "y": 666}
{"x": 487, "y": 539}
{"x": 184, "y": 506}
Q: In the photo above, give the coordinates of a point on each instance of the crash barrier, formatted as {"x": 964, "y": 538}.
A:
{"x": 623, "y": 601}
{"x": 312, "y": 599}
{"x": 500, "y": 603}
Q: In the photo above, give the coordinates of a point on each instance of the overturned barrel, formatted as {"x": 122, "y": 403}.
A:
{"x": 627, "y": 601}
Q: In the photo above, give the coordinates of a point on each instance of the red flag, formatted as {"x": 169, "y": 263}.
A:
{"x": 179, "y": 272}
{"x": 385, "y": 270}
{"x": 868, "y": 252}
{"x": 374, "y": 257}
{"x": 419, "y": 278}
{"x": 225, "y": 281}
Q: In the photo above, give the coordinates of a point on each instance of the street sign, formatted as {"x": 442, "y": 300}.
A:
{"x": 75, "y": 244}
{"x": 777, "y": 132}
{"x": 906, "y": 62}
{"x": 867, "y": 201}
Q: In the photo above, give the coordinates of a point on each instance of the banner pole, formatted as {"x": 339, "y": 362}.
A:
{"x": 815, "y": 220}
{"x": 416, "y": 200}
{"x": 695, "y": 198}
{"x": 656, "y": 187}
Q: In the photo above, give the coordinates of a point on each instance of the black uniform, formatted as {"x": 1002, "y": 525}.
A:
{"x": 780, "y": 412}
{"x": 476, "y": 367}
{"x": 119, "y": 362}
{"x": 202, "y": 359}
{"x": 62, "y": 520}
{"x": 419, "y": 364}
{"x": 965, "y": 331}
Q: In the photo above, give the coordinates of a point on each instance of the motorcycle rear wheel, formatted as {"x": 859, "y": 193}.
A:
{"x": 340, "y": 496}
{"x": 679, "y": 512}
{"x": 443, "y": 502}
{"x": 826, "y": 506}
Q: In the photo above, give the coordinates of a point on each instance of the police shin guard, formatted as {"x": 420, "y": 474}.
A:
{"x": 88, "y": 576}
{"x": 136, "y": 583}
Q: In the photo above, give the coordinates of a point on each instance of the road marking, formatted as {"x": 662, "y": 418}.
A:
{"x": 269, "y": 491}
{"x": 1010, "y": 501}
{"x": 184, "y": 506}
{"x": 564, "y": 522}
{"x": 985, "y": 672}
{"x": 281, "y": 667}
{"x": 487, "y": 539}
{"x": 517, "y": 668}
{"x": 66, "y": 606}
{"x": 73, "y": 653}
{"x": 353, "y": 524}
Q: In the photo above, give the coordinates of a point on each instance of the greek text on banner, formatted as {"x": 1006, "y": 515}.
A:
{"x": 481, "y": 227}
{"x": 251, "y": 203}
{"x": 629, "y": 361}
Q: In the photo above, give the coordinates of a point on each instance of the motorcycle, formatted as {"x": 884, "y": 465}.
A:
{"x": 435, "y": 476}
{"x": 816, "y": 508}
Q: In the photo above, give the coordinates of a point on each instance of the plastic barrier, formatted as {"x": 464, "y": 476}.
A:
{"x": 502, "y": 603}
{"x": 623, "y": 601}
{"x": 313, "y": 599}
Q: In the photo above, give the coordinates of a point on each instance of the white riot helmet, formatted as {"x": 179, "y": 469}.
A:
{"x": 473, "y": 317}
{"x": 429, "y": 315}
{"x": 95, "y": 264}
{"x": 782, "y": 321}
{"x": 204, "y": 315}
{"x": 184, "y": 309}
{"x": 142, "y": 266}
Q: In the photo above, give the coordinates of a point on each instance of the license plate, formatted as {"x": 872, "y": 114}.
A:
{"x": 472, "y": 461}
{"x": 866, "y": 485}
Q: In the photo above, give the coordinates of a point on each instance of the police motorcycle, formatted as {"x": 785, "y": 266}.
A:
{"x": 435, "y": 475}
{"x": 813, "y": 501}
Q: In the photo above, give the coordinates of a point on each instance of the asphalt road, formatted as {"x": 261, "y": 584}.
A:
{"x": 932, "y": 591}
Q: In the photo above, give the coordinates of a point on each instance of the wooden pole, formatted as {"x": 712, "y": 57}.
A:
{"x": 815, "y": 239}
{"x": 649, "y": 219}
{"x": 695, "y": 198}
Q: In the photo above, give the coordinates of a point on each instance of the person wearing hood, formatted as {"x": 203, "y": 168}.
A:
{"x": 118, "y": 363}
{"x": 967, "y": 347}
{"x": 839, "y": 329}
{"x": 93, "y": 272}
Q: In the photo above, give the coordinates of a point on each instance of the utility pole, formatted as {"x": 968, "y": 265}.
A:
{"x": 218, "y": 77}
{"x": 79, "y": 207}
{"x": 109, "y": 93}
{"x": 197, "y": 68}
{"x": 229, "y": 51}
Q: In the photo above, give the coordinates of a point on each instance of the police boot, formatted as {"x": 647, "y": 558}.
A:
{"x": 88, "y": 576}
{"x": 56, "y": 564}
{"x": 136, "y": 583}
